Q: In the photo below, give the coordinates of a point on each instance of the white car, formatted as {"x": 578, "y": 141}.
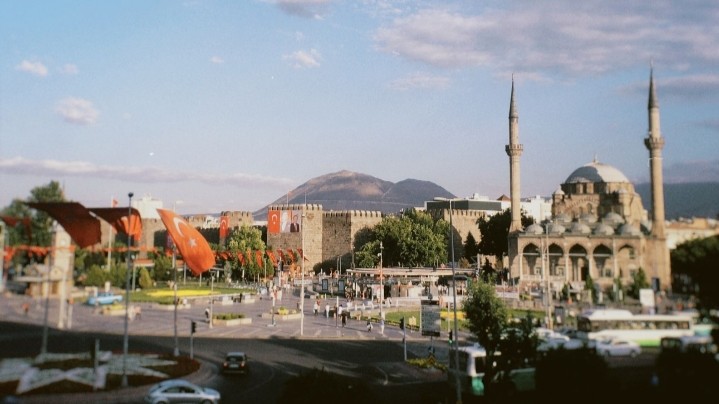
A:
{"x": 181, "y": 391}
{"x": 617, "y": 347}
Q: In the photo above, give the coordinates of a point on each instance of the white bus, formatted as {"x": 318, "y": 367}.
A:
{"x": 472, "y": 368}
{"x": 645, "y": 330}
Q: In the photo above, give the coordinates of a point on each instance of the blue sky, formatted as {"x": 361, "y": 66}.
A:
{"x": 228, "y": 105}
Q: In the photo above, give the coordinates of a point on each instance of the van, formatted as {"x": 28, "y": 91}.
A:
{"x": 469, "y": 370}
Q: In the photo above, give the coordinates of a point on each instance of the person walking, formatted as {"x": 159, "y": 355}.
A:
{"x": 316, "y": 307}
{"x": 369, "y": 325}
{"x": 327, "y": 310}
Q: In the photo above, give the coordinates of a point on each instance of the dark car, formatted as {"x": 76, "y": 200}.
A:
{"x": 235, "y": 362}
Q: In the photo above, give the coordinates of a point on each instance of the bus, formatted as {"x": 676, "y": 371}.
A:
{"x": 645, "y": 330}
{"x": 472, "y": 368}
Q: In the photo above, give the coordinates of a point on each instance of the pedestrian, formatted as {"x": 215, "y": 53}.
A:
{"x": 327, "y": 310}
{"x": 344, "y": 319}
{"x": 369, "y": 325}
{"x": 381, "y": 325}
{"x": 316, "y": 307}
{"x": 207, "y": 314}
{"x": 25, "y": 308}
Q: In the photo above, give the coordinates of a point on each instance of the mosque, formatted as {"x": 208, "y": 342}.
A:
{"x": 599, "y": 228}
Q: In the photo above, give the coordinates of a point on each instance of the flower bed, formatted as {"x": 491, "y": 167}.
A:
{"x": 229, "y": 319}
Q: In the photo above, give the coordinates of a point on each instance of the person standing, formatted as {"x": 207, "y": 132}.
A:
{"x": 316, "y": 307}
{"x": 327, "y": 310}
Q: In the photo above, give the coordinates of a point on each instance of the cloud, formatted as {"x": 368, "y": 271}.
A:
{"x": 696, "y": 87}
{"x": 77, "y": 110}
{"x": 217, "y": 60}
{"x": 560, "y": 37}
{"x": 69, "y": 69}
{"x": 303, "y": 8}
{"x": 304, "y": 59}
{"x": 420, "y": 80}
{"x": 36, "y": 68}
{"x": 692, "y": 171}
{"x": 21, "y": 166}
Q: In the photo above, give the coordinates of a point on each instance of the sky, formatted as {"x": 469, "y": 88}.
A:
{"x": 216, "y": 106}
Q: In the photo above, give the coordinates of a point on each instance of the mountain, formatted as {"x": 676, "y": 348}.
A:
{"x": 347, "y": 190}
{"x": 689, "y": 199}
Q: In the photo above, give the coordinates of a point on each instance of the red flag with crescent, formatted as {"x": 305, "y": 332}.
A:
{"x": 192, "y": 246}
{"x": 224, "y": 226}
{"x": 258, "y": 257}
{"x": 241, "y": 258}
{"x": 273, "y": 221}
{"x": 273, "y": 259}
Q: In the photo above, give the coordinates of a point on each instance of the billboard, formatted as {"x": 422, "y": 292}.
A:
{"x": 284, "y": 221}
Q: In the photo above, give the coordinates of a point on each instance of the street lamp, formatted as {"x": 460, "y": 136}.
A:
{"x": 127, "y": 290}
{"x": 454, "y": 298}
{"x": 381, "y": 280}
{"x": 302, "y": 276}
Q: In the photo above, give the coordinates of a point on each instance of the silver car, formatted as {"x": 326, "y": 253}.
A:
{"x": 181, "y": 391}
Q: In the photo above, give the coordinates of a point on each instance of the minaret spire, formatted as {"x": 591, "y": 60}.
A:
{"x": 655, "y": 143}
{"x": 514, "y": 151}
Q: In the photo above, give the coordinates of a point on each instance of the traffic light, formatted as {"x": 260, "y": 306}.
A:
{"x": 194, "y": 327}
{"x": 401, "y": 323}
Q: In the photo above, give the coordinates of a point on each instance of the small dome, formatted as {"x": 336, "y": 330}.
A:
{"x": 604, "y": 230}
{"x": 629, "y": 230}
{"x": 580, "y": 228}
{"x": 534, "y": 229}
{"x": 613, "y": 218}
{"x": 558, "y": 191}
{"x": 588, "y": 218}
{"x": 555, "y": 228}
{"x": 563, "y": 218}
{"x": 596, "y": 172}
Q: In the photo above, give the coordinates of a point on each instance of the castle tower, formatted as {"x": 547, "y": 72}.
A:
{"x": 654, "y": 143}
{"x": 514, "y": 151}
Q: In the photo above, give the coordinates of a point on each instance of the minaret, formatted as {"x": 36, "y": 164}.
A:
{"x": 514, "y": 151}
{"x": 654, "y": 143}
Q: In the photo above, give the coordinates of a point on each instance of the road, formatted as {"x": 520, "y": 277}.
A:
{"x": 276, "y": 353}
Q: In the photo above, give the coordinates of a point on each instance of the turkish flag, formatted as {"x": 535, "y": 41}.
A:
{"x": 273, "y": 221}
{"x": 194, "y": 248}
{"x": 224, "y": 226}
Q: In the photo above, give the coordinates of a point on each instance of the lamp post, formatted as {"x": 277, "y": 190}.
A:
{"x": 127, "y": 290}
{"x": 302, "y": 276}
{"x": 381, "y": 280}
{"x": 454, "y": 300}
{"x": 546, "y": 267}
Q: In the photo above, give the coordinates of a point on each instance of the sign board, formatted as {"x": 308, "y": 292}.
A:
{"x": 298, "y": 282}
{"x": 325, "y": 285}
{"x": 646, "y": 297}
{"x": 430, "y": 318}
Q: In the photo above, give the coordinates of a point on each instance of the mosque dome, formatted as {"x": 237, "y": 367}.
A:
{"x": 588, "y": 218}
{"x": 534, "y": 229}
{"x": 563, "y": 218}
{"x": 596, "y": 172}
{"x": 555, "y": 228}
{"x": 580, "y": 228}
{"x": 604, "y": 230}
{"x": 613, "y": 218}
{"x": 558, "y": 191}
{"x": 629, "y": 230}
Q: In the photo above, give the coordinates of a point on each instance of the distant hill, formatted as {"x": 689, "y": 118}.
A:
{"x": 691, "y": 199}
{"x": 347, "y": 190}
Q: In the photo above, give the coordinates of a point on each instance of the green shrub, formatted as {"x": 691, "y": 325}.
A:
{"x": 228, "y": 316}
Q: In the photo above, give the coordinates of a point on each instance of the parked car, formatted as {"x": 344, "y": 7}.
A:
{"x": 617, "y": 347}
{"x": 235, "y": 362}
{"x": 104, "y": 298}
{"x": 181, "y": 391}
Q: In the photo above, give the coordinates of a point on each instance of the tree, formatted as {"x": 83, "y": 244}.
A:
{"x": 242, "y": 240}
{"x": 487, "y": 316}
{"x": 692, "y": 263}
{"x": 40, "y": 231}
{"x": 145, "y": 280}
{"x": 412, "y": 239}
{"x": 471, "y": 248}
{"x": 639, "y": 282}
{"x": 495, "y": 232}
